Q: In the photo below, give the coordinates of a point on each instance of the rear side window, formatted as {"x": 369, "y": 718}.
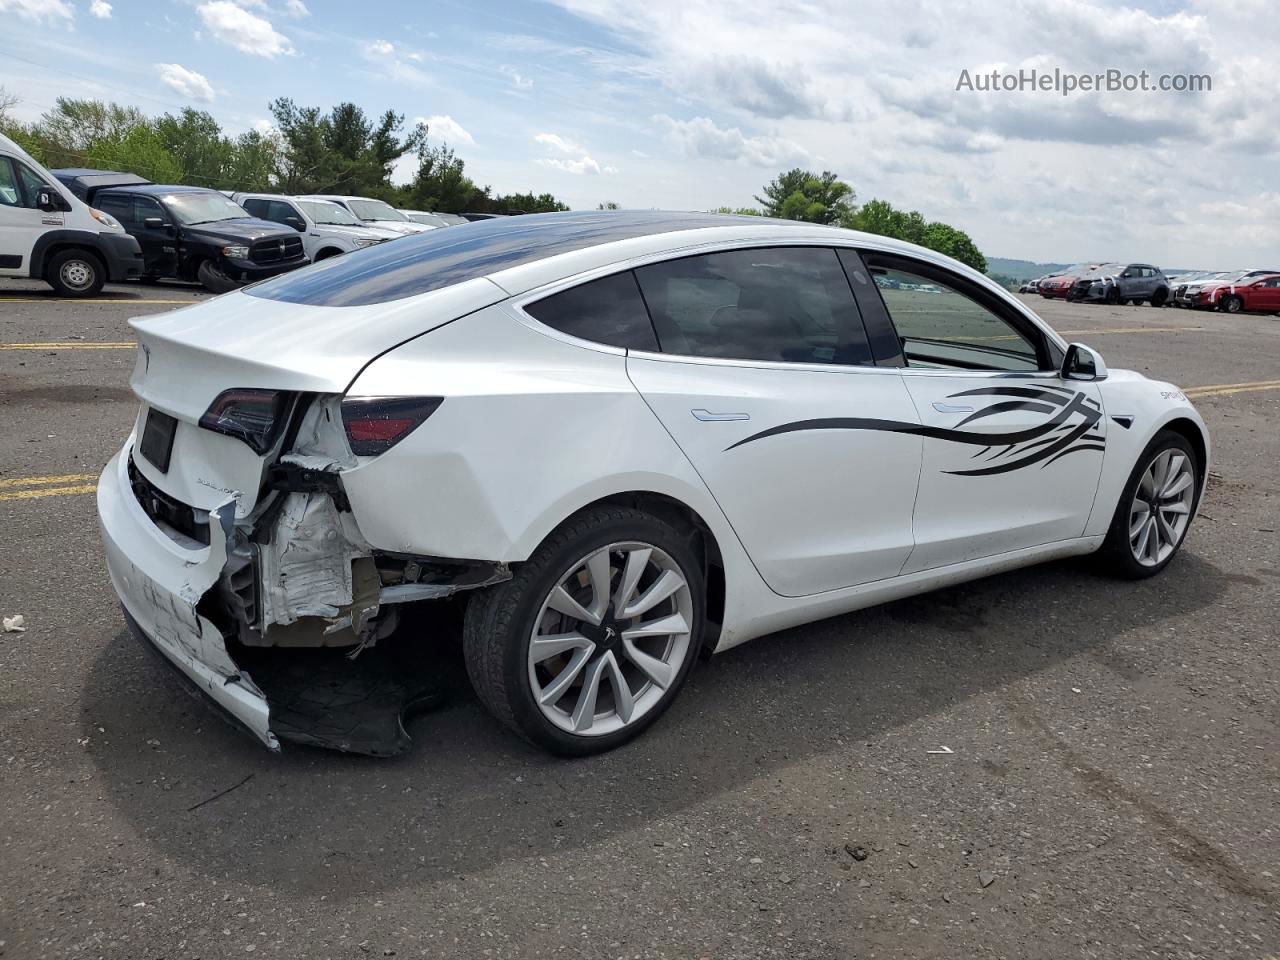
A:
{"x": 780, "y": 304}
{"x": 609, "y": 310}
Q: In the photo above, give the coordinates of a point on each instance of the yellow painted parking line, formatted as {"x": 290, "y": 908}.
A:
{"x": 1087, "y": 333}
{"x": 48, "y": 492}
{"x": 70, "y": 345}
{"x": 127, "y": 303}
{"x": 1228, "y": 389}
{"x": 44, "y": 481}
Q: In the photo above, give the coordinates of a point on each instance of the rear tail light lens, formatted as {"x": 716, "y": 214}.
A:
{"x": 376, "y": 424}
{"x": 254, "y": 416}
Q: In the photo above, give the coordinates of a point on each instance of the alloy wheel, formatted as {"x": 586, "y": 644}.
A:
{"x": 76, "y": 274}
{"x": 610, "y": 638}
{"x": 1161, "y": 508}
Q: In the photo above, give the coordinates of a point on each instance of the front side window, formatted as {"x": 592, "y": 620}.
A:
{"x": 255, "y": 206}
{"x": 780, "y": 304}
{"x": 32, "y": 184}
{"x": 322, "y": 211}
{"x": 943, "y": 328}
{"x": 9, "y": 195}
{"x": 147, "y": 208}
{"x": 609, "y": 310}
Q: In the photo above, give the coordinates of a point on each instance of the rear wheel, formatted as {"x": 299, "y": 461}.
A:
{"x": 214, "y": 280}
{"x": 1155, "y": 509}
{"x": 75, "y": 273}
{"x": 593, "y": 637}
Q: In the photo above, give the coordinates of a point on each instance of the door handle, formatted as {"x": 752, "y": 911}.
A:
{"x": 952, "y": 407}
{"x": 709, "y": 417}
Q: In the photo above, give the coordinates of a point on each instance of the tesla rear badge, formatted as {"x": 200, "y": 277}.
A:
{"x": 1069, "y": 427}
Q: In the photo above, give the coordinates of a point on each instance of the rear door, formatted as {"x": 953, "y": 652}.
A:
{"x": 763, "y": 378}
{"x": 1012, "y": 452}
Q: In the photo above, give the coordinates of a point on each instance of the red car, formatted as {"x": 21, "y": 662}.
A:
{"x": 1059, "y": 285}
{"x": 1249, "y": 294}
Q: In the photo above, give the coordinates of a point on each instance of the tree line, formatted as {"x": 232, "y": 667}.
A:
{"x": 306, "y": 150}
{"x": 345, "y": 151}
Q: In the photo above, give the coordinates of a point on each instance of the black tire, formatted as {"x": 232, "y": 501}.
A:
{"x": 1160, "y": 297}
{"x": 1113, "y": 295}
{"x": 75, "y": 273}
{"x": 500, "y": 621}
{"x": 1116, "y": 556}
{"x": 213, "y": 279}
{"x": 326, "y": 253}
{"x": 1231, "y": 304}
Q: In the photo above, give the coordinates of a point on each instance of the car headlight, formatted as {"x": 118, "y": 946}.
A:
{"x": 367, "y": 241}
{"x": 105, "y": 218}
{"x": 236, "y": 251}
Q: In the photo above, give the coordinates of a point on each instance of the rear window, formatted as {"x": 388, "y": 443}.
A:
{"x": 418, "y": 264}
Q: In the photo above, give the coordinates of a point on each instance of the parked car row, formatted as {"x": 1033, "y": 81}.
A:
{"x": 1233, "y": 291}
{"x": 79, "y": 228}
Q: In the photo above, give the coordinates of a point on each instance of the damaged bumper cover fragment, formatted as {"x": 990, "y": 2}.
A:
{"x": 238, "y": 603}
{"x": 160, "y": 583}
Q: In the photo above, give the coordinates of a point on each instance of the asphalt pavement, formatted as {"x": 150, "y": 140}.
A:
{"x": 1047, "y": 763}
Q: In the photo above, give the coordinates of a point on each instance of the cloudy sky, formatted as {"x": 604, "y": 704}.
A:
{"x": 693, "y": 104}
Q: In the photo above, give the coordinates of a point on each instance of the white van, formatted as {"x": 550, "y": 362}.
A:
{"x": 48, "y": 234}
{"x": 327, "y": 228}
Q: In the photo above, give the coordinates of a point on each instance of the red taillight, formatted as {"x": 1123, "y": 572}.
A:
{"x": 254, "y": 416}
{"x": 376, "y": 424}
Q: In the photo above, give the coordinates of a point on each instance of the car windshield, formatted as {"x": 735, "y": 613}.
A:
{"x": 193, "y": 208}
{"x": 375, "y": 210}
{"x": 322, "y": 211}
{"x": 430, "y": 219}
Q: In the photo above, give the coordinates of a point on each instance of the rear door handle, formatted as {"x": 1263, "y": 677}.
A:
{"x": 709, "y": 417}
{"x": 952, "y": 407}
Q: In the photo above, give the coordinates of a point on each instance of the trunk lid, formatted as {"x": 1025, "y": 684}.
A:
{"x": 186, "y": 358}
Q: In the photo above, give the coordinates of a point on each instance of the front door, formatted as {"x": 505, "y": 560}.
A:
{"x": 763, "y": 378}
{"x": 159, "y": 242}
{"x": 1012, "y": 452}
{"x": 21, "y": 222}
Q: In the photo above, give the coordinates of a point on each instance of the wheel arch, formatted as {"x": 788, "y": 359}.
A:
{"x": 53, "y": 242}
{"x": 325, "y": 252}
{"x": 1199, "y": 440}
{"x": 683, "y": 517}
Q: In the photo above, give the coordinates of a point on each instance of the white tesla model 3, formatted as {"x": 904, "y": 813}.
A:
{"x": 626, "y": 439}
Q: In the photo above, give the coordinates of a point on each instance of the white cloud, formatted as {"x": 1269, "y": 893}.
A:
{"x": 247, "y": 32}
{"x": 574, "y": 159}
{"x": 447, "y": 129}
{"x": 520, "y": 82}
{"x": 265, "y": 127}
{"x": 379, "y": 48}
{"x": 100, "y": 9}
{"x": 701, "y": 139}
{"x": 38, "y": 11}
{"x": 186, "y": 82}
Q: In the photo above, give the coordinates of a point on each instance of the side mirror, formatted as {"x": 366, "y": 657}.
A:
{"x": 1083, "y": 363}
{"x": 296, "y": 224}
{"x": 153, "y": 223}
{"x": 49, "y": 202}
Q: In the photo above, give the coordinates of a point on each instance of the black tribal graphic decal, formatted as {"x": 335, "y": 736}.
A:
{"x": 1069, "y": 429}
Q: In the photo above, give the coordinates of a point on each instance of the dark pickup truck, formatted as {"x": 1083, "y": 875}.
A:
{"x": 190, "y": 233}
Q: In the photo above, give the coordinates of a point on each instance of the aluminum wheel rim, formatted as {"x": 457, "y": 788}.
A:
{"x": 610, "y": 638}
{"x": 76, "y": 274}
{"x": 1161, "y": 507}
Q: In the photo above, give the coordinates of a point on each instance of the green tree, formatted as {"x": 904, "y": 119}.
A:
{"x": 526, "y": 203}
{"x": 194, "y": 139}
{"x": 139, "y": 151}
{"x": 802, "y": 195}
{"x": 610, "y": 205}
{"x": 738, "y": 211}
{"x": 955, "y": 243}
{"x": 440, "y": 183}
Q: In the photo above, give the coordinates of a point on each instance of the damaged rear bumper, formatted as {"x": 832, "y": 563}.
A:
{"x": 160, "y": 580}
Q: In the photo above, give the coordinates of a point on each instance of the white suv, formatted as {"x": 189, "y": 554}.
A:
{"x": 328, "y": 229}
{"x": 374, "y": 213}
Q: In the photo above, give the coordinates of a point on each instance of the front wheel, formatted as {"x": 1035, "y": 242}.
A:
{"x": 213, "y": 279}
{"x": 75, "y": 273}
{"x": 1232, "y": 304}
{"x": 1160, "y": 297}
{"x": 1155, "y": 509}
{"x": 593, "y": 637}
